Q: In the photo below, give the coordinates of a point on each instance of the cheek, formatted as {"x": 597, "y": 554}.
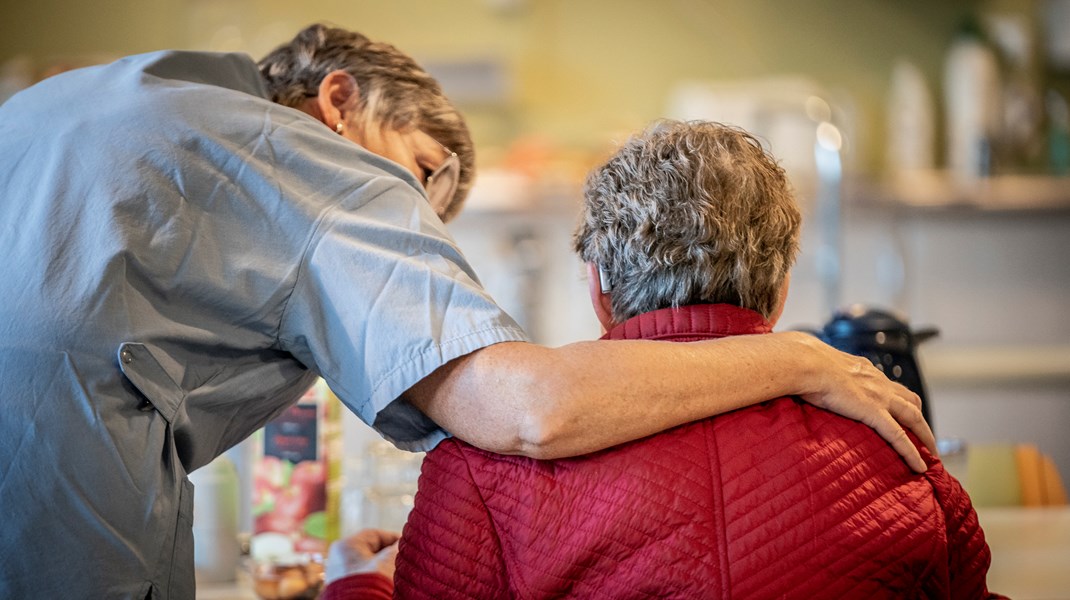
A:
{"x": 400, "y": 152}
{"x": 404, "y": 157}
{"x": 389, "y": 145}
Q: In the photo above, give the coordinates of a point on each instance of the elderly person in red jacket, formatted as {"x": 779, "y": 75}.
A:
{"x": 689, "y": 231}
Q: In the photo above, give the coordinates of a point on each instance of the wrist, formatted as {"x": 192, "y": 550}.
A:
{"x": 368, "y": 586}
{"x": 808, "y": 357}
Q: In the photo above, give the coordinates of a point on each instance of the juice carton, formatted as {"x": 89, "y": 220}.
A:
{"x": 297, "y": 474}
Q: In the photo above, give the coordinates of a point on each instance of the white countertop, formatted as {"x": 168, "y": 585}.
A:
{"x": 1030, "y": 551}
{"x": 1030, "y": 556}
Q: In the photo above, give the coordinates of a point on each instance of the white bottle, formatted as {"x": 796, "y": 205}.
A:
{"x": 216, "y": 550}
{"x": 911, "y": 122}
{"x": 972, "y": 101}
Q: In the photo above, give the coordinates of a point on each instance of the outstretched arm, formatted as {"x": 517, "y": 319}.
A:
{"x": 518, "y": 398}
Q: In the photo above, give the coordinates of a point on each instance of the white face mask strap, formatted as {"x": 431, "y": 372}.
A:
{"x": 603, "y": 281}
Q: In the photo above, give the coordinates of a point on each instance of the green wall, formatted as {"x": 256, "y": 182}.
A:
{"x": 579, "y": 71}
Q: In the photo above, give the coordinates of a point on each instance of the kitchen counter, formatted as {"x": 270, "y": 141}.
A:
{"x": 1030, "y": 551}
{"x": 1030, "y": 556}
{"x": 239, "y": 590}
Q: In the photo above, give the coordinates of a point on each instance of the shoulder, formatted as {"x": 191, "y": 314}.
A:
{"x": 790, "y": 435}
{"x": 230, "y": 70}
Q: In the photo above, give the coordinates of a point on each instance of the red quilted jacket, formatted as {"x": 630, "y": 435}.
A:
{"x": 780, "y": 500}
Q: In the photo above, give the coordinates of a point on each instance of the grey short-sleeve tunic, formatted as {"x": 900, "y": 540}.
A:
{"x": 179, "y": 259}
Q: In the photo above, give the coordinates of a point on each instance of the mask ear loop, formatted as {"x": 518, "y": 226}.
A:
{"x": 603, "y": 281}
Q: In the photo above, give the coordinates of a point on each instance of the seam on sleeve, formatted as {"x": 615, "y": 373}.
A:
{"x": 331, "y": 207}
{"x": 313, "y": 240}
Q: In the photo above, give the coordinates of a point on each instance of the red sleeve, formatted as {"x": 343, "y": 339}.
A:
{"x": 449, "y": 548}
{"x": 362, "y": 586}
{"x": 968, "y": 553}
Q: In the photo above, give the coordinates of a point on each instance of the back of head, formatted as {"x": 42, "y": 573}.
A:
{"x": 395, "y": 92}
{"x": 689, "y": 213}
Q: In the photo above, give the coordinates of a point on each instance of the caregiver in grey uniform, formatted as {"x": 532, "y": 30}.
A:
{"x": 188, "y": 239}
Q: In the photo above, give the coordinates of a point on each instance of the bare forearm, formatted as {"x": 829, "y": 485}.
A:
{"x": 613, "y": 392}
{"x": 527, "y": 399}
{"x": 519, "y": 398}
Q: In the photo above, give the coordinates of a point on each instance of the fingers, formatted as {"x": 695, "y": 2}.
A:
{"x": 900, "y": 391}
{"x": 905, "y": 407}
{"x": 858, "y": 390}
{"x": 891, "y": 430}
{"x": 367, "y": 551}
{"x": 895, "y": 410}
{"x": 906, "y": 394}
{"x": 370, "y": 541}
{"x": 911, "y": 417}
{"x": 387, "y": 558}
{"x": 387, "y": 538}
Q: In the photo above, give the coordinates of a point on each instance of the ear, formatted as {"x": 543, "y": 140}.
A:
{"x": 335, "y": 99}
{"x": 602, "y": 302}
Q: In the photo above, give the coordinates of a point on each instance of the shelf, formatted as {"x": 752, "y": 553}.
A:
{"x": 996, "y": 363}
{"x": 939, "y": 190}
{"x": 500, "y": 193}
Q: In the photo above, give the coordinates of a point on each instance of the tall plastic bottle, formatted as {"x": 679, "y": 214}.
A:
{"x": 972, "y": 93}
{"x": 215, "y": 521}
{"x": 911, "y": 121}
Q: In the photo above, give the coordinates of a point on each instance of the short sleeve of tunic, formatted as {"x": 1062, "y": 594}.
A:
{"x": 258, "y": 230}
{"x": 383, "y": 297}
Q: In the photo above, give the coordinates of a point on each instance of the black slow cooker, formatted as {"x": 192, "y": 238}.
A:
{"x": 886, "y": 339}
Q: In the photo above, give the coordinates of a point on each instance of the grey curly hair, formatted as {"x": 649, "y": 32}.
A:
{"x": 394, "y": 90}
{"x": 689, "y": 213}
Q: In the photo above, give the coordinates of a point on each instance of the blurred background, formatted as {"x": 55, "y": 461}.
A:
{"x": 928, "y": 141}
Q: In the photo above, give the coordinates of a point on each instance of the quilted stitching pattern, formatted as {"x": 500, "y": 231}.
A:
{"x": 817, "y": 507}
{"x": 688, "y": 323}
{"x": 779, "y": 500}
{"x": 967, "y": 566}
{"x": 450, "y": 509}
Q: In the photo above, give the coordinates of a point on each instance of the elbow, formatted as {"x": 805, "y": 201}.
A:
{"x": 539, "y": 435}
{"x": 529, "y": 403}
{"x": 547, "y": 426}
{"x": 532, "y": 434}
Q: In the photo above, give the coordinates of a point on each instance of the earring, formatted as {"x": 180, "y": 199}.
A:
{"x": 339, "y": 127}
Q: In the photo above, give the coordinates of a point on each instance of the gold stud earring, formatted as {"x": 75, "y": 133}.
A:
{"x": 339, "y": 127}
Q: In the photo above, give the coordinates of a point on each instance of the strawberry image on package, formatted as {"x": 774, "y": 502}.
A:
{"x": 295, "y": 478}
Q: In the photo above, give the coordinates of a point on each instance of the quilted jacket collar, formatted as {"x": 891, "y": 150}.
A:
{"x": 690, "y": 323}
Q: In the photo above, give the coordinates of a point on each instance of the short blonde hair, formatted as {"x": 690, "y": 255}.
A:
{"x": 689, "y": 213}
{"x": 394, "y": 90}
